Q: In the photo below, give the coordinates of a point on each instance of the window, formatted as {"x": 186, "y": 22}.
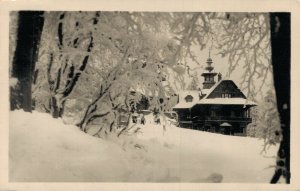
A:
{"x": 209, "y": 79}
{"x": 246, "y": 113}
{"x": 226, "y": 95}
{"x": 189, "y": 98}
{"x": 232, "y": 114}
{"x": 213, "y": 113}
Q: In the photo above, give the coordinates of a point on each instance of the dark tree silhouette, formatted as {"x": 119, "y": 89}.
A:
{"x": 281, "y": 61}
{"x": 30, "y": 26}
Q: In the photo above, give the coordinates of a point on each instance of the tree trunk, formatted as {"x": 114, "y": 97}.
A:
{"x": 30, "y": 25}
{"x": 281, "y": 61}
{"x": 55, "y": 109}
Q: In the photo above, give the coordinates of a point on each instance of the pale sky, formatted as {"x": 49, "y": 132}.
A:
{"x": 221, "y": 65}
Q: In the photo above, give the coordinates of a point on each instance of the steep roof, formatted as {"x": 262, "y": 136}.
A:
{"x": 212, "y": 101}
{"x": 208, "y": 91}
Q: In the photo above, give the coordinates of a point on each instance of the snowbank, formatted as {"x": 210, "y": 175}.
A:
{"x": 44, "y": 149}
{"x": 237, "y": 159}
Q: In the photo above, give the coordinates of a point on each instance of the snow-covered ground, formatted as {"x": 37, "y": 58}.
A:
{"x": 44, "y": 149}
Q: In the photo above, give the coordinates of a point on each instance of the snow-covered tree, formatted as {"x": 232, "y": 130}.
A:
{"x": 102, "y": 62}
{"x": 67, "y": 45}
{"x": 245, "y": 38}
{"x": 93, "y": 61}
{"x": 194, "y": 85}
{"x": 266, "y": 123}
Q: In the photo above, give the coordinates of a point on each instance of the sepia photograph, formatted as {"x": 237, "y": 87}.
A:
{"x": 117, "y": 96}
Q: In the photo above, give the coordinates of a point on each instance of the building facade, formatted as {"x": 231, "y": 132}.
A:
{"x": 220, "y": 106}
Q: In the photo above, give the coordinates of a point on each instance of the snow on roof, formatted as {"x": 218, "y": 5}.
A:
{"x": 183, "y": 105}
{"x": 182, "y": 102}
{"x": 187, "y": 92}
{"x": 205, "y": 91}
{"x": 215, "y": 101}
{"x": 194, "y": 93}
{"x": 226, "y": 101}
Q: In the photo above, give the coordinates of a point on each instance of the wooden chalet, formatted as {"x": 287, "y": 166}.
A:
{"x": 219, "y": 107}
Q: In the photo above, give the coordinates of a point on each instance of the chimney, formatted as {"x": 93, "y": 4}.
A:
{"x": 219, "y": 77}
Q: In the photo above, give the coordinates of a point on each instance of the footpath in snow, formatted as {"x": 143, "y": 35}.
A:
{"x": 44, "y": 149}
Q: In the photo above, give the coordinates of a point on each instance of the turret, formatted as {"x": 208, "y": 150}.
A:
{"x": 209, "y": 74}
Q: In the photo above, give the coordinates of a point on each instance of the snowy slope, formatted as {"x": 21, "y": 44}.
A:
{"x": 237, "y": 159}
{"x": 44, "y": 149}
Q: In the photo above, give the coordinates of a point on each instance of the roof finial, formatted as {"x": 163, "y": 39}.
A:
{"x": 209, "y": 53}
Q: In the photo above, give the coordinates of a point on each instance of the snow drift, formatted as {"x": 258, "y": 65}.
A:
{"x": 44, "y": 149}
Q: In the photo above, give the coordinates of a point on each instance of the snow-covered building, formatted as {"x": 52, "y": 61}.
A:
{"x": 220, "y": 106}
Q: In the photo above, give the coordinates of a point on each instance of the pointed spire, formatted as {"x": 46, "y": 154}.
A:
{"x": 209, "y": 62}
